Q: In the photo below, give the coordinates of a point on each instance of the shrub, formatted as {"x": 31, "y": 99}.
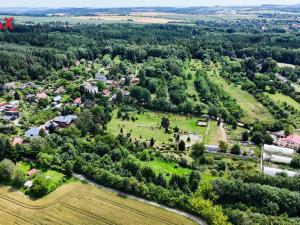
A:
{"x": 6, "y": 170}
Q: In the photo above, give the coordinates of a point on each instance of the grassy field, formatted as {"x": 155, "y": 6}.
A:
{"x": 278, "y": 97}
{"x": 253, "y": 110}
{"x": 214, "y": 134}
{"x": 167, "y": 167}
{"x": 78, "y": 203}
{"x": 148, "y": 126}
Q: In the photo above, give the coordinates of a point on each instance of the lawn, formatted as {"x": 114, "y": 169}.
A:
{"x": 78, "y": 203}
{"x": 235, "y": 134}
{"x": 23, "y": 166}
{"x": 253, "y": 110}
{"x": 214, "y": 134}
{"x": 55, "y": 178}
{"x": 279, "y": 97}
{"x": 167, "y": 167}
{"x": 148, "y": 126}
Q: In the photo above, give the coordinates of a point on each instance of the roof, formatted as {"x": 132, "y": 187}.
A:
{"x": 2, "y": 104}
{"x": 13, "y": 110}
{"x": 91, "y": 88}
{"x": 65, "y": 119}
{"x": 77, "y": 100}
{"x": 31, "y": 172}
{"x": 126, "y": 93}
{"x": 135, "y": 80}
{"x": 105, "y": 92}
{"x": 273, "y": 171}
{"x": 28, "y": 183}
{"x": 60, "y": 90}
{"x": 17, "y": 140}
{"x": 10, "y": 85}
{"x": 293, "y": 138}
{"x": 100, "y": 77}
{"x": 57, "y": 98}
{"x": 33, "y": 132}
{"x": 30, "y": 96}
{"x": 41, "y": 95}
{"x": 279, "y": 133}
{"x": 276, "y": 149}
{"x": 277, "y": 158}
{"x": 201, "y": 123}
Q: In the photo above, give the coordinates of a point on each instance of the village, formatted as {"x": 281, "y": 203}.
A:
{"x": 38, "y": 99}
{"x": 37, "y": 108}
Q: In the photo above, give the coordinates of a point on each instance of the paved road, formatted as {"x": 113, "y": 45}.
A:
{"x": 194, "y": 218}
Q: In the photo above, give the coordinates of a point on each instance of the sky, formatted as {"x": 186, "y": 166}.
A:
{"x": 136, "y": 3}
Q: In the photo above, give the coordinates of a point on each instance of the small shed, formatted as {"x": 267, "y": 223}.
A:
{"x": 28, "y": 184}
{"x": 57, "y": 98}
{"x": 201, "y": 123}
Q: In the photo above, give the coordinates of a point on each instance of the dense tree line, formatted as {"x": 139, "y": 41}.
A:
{"x": 290, "y": 183}
{"x": 265, "y": 199}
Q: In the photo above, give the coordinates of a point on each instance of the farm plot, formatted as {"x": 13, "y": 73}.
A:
{"x": 79, "y": 203}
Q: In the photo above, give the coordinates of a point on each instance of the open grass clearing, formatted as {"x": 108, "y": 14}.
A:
{"x": 279, "y": 97}
{"x": 78, "y": 203}
{"x": 167, "y": 167}
{"x": 147, "y": 126}
{"x": 253, "y": 110}
{"x": 214, "y": 134}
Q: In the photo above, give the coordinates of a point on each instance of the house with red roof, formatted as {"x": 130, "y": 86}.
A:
{"x": 77, "y": 102}
{"x": 106, "y": 93}
{"x": 41, "y": 95}
{"x": 291, "y": 141}
{"x": 135, "y": 80}
{"x": 3, "y": 104}
{"x": 17, "y": 141}
{"x": 31, "y": 172}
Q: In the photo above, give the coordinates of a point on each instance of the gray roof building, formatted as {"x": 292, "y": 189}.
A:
{"x": 32, "y": 132}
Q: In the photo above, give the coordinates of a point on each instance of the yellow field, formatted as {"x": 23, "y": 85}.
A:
{"x": 77, "y": 203}
{"x": 133, "y": 18}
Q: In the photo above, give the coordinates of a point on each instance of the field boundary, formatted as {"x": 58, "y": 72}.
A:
{"x": 179, "y": 212}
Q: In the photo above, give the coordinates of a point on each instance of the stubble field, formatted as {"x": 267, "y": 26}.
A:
{"x": 78, "y": 203}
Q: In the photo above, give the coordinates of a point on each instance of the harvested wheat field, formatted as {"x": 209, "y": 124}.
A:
{"x": 78, "y": 203}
